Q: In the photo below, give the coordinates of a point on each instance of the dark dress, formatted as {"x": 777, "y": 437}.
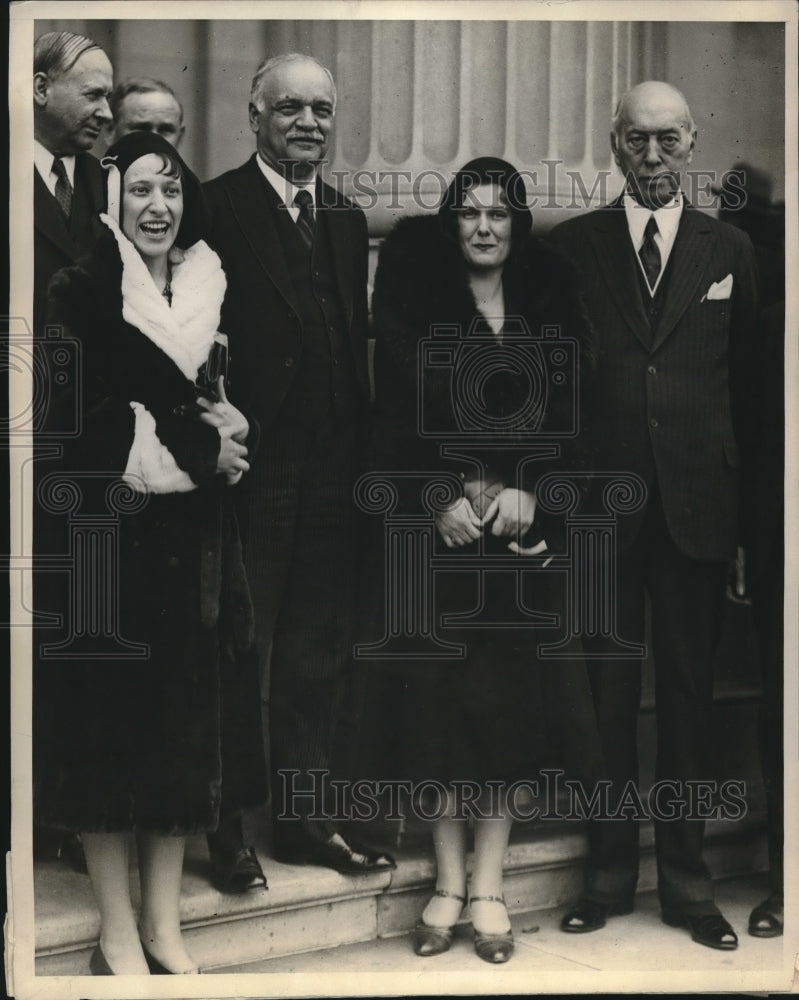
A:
{"x": 499, "y": 711}
{"x": 149, "y": 741}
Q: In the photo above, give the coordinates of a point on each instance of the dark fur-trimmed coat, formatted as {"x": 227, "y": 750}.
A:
{"x": 421, "y": 281}
{"x": 125, "y": 741}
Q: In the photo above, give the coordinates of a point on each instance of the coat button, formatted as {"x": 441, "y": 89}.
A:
{"x": 652, "y": 370}
{"x": 289, "y": 361}
{"x": 290, "y": 314}
{"x": 653, "y": 422}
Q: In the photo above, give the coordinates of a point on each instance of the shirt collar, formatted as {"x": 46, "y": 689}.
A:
{"x": 667, "y": 218}
{"x": 284, "y": 188}
{"x": 43, "y": 160}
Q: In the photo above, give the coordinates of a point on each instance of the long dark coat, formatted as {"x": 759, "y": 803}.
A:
{"x": 498, "y": 713}
{"x": 150, "y": 742}
{"x": 421, "y": 282}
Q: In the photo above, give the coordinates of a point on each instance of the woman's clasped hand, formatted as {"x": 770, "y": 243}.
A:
{"x": 510, "y": 515}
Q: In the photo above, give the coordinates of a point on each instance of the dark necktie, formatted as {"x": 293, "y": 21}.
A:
{"x": 305, "y": 220}
{"x": 649, "y": 253}
{"x": 63, "y": 190}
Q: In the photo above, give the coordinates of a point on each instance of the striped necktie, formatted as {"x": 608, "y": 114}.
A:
{"x": 305, "y": 220}
{"x": 649, "y": 253}
{"x": 63, "y": 189}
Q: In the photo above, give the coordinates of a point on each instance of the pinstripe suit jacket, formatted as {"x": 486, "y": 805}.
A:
{"x": 672, "y": 402}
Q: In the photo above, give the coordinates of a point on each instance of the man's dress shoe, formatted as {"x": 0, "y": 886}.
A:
{"x": 587, "y": 915}
{"x": 766, "y": 920}
{"x": 709, "y": 929}
{"x": 347, "y": 857}
{"x": 236, "y": 871}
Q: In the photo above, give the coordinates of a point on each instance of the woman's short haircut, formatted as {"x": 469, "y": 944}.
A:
{"x": 131, "y": 147}
{"x": 488, "y": 170}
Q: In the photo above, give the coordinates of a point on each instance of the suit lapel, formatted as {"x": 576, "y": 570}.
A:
{"x": 49, "y": 219}
{"x": 616, "y": 258}
{"x": 687, "y": 262}
{"x": 337, "y": 223}
{"x": 254, "y": 205}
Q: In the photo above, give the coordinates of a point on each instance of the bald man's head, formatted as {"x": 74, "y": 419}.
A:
{"x": 653, "y": 139}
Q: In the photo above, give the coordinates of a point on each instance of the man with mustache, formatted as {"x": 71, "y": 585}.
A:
{"x": 295, "y": 255}
{"x": 672, "y": 294}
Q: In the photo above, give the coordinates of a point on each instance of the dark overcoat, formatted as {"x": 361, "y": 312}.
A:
{"x": 495, "y": 712}
{"x": 540, "y": 391}
{"x": 148, "y": 741}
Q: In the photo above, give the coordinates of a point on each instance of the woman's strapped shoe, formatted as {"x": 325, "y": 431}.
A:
{"x": 428, "y": 940}
{"x": 494, "y": 948}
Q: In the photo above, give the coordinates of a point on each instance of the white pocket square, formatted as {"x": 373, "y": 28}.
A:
{"x": 719, "y": 289}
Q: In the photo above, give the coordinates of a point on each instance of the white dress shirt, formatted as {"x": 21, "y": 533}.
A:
{"x": 284, "y": 188}
{"x": 43, "y": 160}
{"x": 668, "y": 221}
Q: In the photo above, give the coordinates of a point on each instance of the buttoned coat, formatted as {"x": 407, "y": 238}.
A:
{"x": 261, "y": 316}
{"x": 672, "y": 401}
{"x": 260, "y": 312}
{"x": 57, "y": 243}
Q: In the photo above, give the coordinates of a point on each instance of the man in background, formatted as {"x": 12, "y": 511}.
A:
{"x": 143, "y": 104}
{"x": 72, "y": 81}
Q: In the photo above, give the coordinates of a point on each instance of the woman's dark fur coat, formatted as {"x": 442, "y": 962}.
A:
{"x": 150, "y": 742}
{"x": 421, "y": 280}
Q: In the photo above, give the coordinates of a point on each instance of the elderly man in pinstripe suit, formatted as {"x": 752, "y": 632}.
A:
{"x": 672, "y": 294}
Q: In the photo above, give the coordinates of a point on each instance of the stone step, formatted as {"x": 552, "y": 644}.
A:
{"x": 310, "y": 908}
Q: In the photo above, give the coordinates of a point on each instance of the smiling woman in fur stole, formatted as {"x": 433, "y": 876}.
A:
{"x": 153, "y": 744}
{"x": 497, "y": 714}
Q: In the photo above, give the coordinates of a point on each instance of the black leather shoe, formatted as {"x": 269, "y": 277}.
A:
{"x": 236, "y": 871}
{"x": 709, "y": 929}
{"x": 70, "y": 852}
{"x": 98, "y": 963}
{"x": 347, "y": 857}
{"x": 587, "y": 915}
{"x": 766, "y": 920}
{"x": 158, "y": 969}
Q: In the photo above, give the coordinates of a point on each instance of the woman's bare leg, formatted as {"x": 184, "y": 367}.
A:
{"x": 490, "y": 844}
{"x": 107, "y": 862}
{"x": 160, "y": 873}
{"x": 449, "y": 842}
